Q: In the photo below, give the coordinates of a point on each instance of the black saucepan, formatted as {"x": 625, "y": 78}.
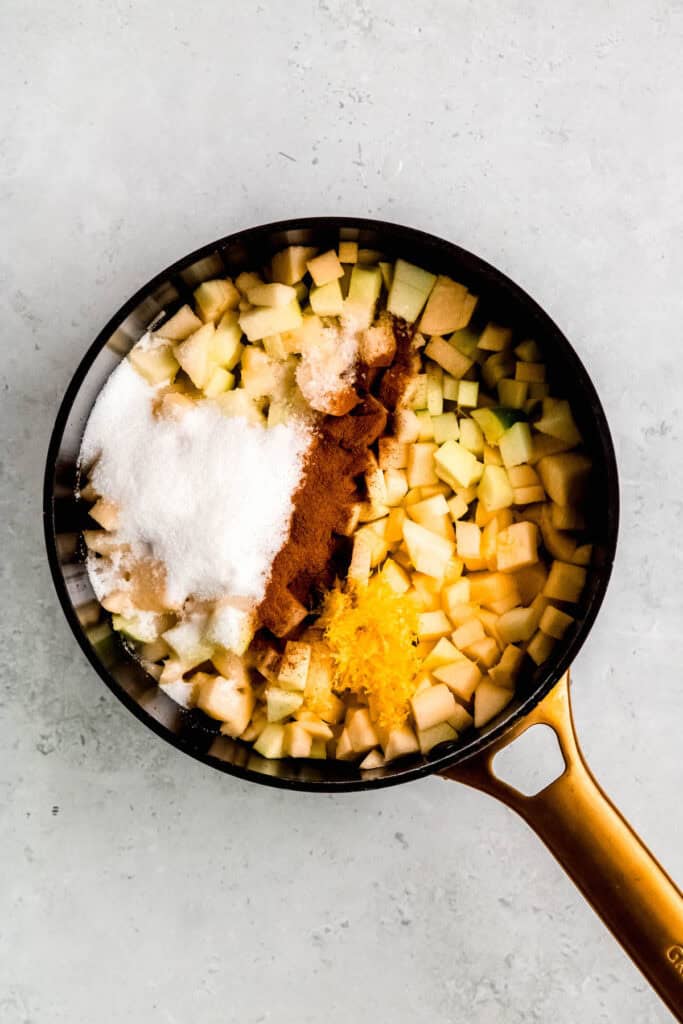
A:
{"x": 572, "y": 815}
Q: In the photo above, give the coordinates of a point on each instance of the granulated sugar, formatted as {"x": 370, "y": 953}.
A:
{"x": 328, "y": 368}
{"x": 208, "y": 495}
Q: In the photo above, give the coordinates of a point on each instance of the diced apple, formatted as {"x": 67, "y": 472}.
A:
{"x": 399, "y": 742}
{"x": 434, "y": 375}
{"x": 432, "y": 706}
{"x": 515, "y": 444}
{"x": 461, "y": 677}
{"x": 495, "y": 491}
{"x": 348, "y": 251}
{"x": 489, "y": 701}
{"x": 220, "y": 380}
{"x": 187, "y": 640}
{"x": 495, "y": 338}
{"x": 156, "y": 364}
{"x": 433, "y": 624}
{"x": 195, "y": 355}
{"x": 517, "y": 625}
{"x": 282, "y": 703}
{"x": 457, "y": 466}
{"x": 469, "y": 633}
{"x": 468, "y": 393}
{"x": 565, "y": 476}
{"x": 372, "y": 761}
{"x": 364, "y": 289}
{"x": 325, "y": 268}
{"x": 395, "y": 576}
{"x": 327, "y": 299}
{"x": 508, "y": 668}
{"x": 261, "y": 321}
{"x": 275, "y": 295}
{"x": 517, "y": 546}
{"x": 447, "y": 309}
{"x": 180, "y": 326}
{"x": 212, "y": 298}
{"x": 106, "y": 513}
{"x": 468, "y": 539}
{"x": 428, "y": 552}
{"x": 540, "y": 647}
{"x": 530, "y": 373}
{"x": 228, "y": 700}
{"x": 471, "y": 436}
{"x": 565, "y": 582}
{"x": 377, "y": 345}
{"x": 512, "y": 393}
{"x": 485, "y": 652}
{"x": 430, "y": 738}
{"x": 226, "y": 346}
{"x": 361, "y": 559}
{"x": 558, "y": 421}
{"x": 406, "y": 426}
{"x": 410, "y": 288}
{"x": 448, "y": 357}
{"x": 583, "y": 555}
{"x": 461, "y": 719}
{"x": 298, "y": 742}
{"x": 313, "y": 725}
{"x": 443, "y": 653}
{"x": 240, "y": 403}
{"x": 231, "y": 625}
{"x": 420, "y": 469}
{"x": 555, "y": 623}
{"x": 271, "y": 742}
{"x": 289, "y": 265}
{"x": 294, "y": 666}
{"x": 361, "y": 731}
{"x": 244, "y": 282}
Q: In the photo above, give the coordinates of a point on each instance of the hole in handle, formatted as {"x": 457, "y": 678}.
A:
{"x": 532, "y": 762}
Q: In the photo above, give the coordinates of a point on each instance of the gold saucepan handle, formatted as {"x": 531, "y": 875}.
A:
{"x": 614, "y": 870}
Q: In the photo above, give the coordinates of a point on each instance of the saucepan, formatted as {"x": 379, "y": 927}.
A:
{"x": 572, "y": 815}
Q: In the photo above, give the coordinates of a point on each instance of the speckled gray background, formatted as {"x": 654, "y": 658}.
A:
{"x": 136, "y": 885}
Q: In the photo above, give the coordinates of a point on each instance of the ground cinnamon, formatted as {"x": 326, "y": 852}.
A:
{"x": 303, "y": 569}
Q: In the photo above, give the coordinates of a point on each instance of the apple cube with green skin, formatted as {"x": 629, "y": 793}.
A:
{"x": 143, "y": 628}
{"x": 195, "y": 355}
{"x": 157, "y": 364}
{"x": 262, "y": 321}
{"x": 364, "y": 289}
{"x": 494, "y": 422}
{"x": 409, "y": 290}
{"x": 515, "y": 444}
{"x": 495, "y": 490}
{"x": 212, "y": 298}
{"x": 327, "y": 299}
{"x": 456, "y": 465}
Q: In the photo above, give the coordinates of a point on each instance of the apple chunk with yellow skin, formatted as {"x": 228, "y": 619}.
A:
{"x": 410, "y": 288}
{"x": 447, "y": 309}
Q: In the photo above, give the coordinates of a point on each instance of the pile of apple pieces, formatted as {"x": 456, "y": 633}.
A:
{"x": 463, "y": 492}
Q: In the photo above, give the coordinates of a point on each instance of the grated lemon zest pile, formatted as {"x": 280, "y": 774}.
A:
{"x": 372, "y": 633}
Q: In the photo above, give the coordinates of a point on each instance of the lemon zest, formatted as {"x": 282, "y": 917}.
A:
{"x": 372, "y": 634}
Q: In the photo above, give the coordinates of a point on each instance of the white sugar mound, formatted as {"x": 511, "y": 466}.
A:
{"x": 208, "y": 495}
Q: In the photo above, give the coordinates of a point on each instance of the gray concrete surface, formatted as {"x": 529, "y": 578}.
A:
{"x": 136, "y": 885}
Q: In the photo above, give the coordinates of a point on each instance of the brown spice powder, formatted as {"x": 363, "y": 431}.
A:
{"x": 303, "y": 568}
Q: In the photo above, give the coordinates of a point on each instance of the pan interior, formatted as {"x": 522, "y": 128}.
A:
{"x": 500, "y": 300}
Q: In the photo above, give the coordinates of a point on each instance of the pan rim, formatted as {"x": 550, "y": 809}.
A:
{"x": 399, "y": 774}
